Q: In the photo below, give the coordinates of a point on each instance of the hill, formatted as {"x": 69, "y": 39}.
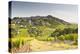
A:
{"x": 48, "y": 21}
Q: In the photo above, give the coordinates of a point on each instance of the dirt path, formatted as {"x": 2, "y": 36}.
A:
{"x": 36, "y": 45}
{"x": 47, "y": 46}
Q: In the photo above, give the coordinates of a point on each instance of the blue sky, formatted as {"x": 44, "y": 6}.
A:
{"x": 66, "y": 12}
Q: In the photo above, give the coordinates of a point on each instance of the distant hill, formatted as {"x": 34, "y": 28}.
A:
{"x": 49, "y": 21}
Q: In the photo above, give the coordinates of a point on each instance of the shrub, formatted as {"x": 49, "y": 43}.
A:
{"x": 67, "y": 37}
{"x": 59, "y": 32}
{"x": 16, "y": 44}
{"x": 61, "y": 37}
{"x": 50, "y": 38}
{"x": 34, "y": 32}
{"x": 75, "y": 43}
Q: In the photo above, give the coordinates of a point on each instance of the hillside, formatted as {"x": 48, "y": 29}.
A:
{"x": 48, "y": 21}
{"x": 45, "y": 31}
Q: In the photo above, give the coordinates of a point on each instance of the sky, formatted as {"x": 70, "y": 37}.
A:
{"x": 66, "y": 12}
